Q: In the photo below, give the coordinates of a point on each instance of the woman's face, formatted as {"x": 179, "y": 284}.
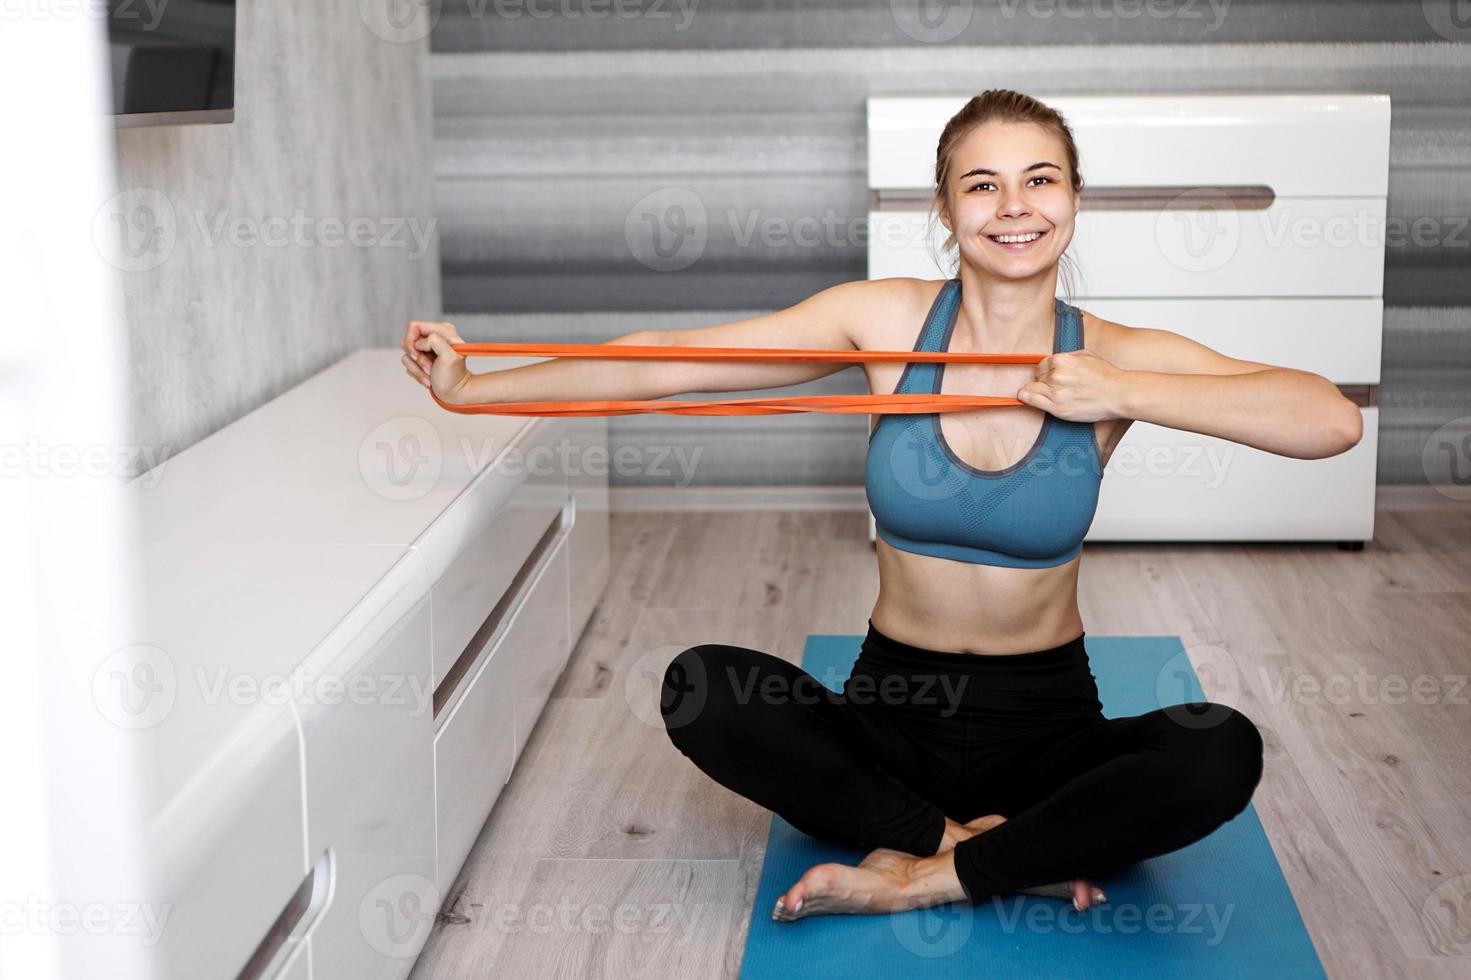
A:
{"x": 1010, "y": 179}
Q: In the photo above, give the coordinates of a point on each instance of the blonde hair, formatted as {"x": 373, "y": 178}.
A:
{"x": 1004, "y": 105}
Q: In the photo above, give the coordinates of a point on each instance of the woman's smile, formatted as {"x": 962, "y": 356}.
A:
{"x": 1017, "y": 241}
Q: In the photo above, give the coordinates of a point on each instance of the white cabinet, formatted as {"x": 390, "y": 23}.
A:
{"x": 315, "y": 573}
{"x": 1251, "y": 223}
{"x": 487, "y": 719}
{"x": 365, "y": 705}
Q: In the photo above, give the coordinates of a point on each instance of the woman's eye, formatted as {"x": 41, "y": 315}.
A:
{"x": 987, "y": 183}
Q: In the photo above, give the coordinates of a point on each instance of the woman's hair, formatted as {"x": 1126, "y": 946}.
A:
{"x": 1004, "y": 105}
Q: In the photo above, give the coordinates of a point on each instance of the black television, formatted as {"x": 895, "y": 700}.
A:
{"x": 172, "y": 61}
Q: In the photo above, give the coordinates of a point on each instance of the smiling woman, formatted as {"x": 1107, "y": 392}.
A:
{"x": 1023, "y": 785}
{"x": 986, "y": 199}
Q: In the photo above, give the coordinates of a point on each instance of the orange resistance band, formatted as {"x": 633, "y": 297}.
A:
{"x": 896, "y": 404}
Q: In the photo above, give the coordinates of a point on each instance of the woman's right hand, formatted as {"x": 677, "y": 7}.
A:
{"x": 429, "y": 360}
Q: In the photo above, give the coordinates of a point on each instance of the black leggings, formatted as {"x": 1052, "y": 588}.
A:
{"x": 918, "y": 735}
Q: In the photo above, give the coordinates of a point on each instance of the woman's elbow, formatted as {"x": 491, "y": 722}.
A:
{"x": 1349, "y": 429}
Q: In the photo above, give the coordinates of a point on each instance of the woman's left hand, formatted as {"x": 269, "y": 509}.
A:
{"x": 1077, "y": 386}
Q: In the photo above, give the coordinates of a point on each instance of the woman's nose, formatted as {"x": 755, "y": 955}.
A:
{"x": 1013, "y": 204}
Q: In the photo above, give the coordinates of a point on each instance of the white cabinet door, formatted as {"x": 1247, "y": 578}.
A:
{"x": 366, "y": 708}
{"x": 486, "y": 726}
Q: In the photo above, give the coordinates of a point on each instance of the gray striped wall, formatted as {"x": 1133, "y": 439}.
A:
{"x": 550, "y": 131}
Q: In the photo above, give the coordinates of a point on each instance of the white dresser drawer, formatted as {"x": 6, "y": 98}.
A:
{"x": 1301, "y": 144}
{"x": 475, "y": 547}
{"x": 1170, "y": 485}
{"x": 1186, "y": 253}
{"x": 366, "y": 710}
{"x": 482, "y": 720}
{"x": 226, "y": 856}
{"x": 1337, "y": 338}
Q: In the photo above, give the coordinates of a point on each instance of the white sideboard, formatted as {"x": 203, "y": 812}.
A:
{"x": 357, "y": 604}
{"x": 1251, "y": 223}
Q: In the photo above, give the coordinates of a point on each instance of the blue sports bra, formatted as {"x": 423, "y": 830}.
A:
{"x": 925, "y": 499}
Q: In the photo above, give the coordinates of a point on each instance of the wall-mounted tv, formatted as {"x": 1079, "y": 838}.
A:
{"x": 172, "y": 61}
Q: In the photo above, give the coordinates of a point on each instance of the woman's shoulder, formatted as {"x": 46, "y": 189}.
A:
{"x": 1101, "y": 336}
{"x": 890, "y": 310}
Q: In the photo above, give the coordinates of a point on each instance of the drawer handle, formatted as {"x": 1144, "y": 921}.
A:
{"x": 1156, "y": 197}
{"x": 457, "y": 673}
{"x": 302, "y": 910}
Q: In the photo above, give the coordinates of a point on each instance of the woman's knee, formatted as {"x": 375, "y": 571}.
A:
{"x": 684, "y": 697}
{"x": 1215, "y": 752}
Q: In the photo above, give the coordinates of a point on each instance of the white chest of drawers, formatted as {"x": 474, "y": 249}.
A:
{"x": 1254, "y": 224}
{"x": 357, "y": 604}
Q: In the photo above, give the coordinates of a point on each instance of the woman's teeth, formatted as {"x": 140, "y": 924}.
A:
{"x": 1016, "y": 239}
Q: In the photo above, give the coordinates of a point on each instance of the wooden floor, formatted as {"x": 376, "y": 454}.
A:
{"x": 610, "y": 855}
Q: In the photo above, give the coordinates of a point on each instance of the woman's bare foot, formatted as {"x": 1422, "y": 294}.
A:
{"x": 885, "y": 881}
{"x": 1080, "y": 891}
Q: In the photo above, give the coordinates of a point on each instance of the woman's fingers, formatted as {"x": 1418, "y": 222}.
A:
{"x": 415, "y": 371}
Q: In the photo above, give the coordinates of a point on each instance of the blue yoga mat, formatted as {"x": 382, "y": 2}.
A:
{"x": 1217, "y": 908}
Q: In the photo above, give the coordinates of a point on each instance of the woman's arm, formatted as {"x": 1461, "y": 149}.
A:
{"x": 824, "y": 321}
{"x": 1176, "y": 382}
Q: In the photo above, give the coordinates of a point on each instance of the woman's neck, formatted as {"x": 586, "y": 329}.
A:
{"x": 1005, "y": 316}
